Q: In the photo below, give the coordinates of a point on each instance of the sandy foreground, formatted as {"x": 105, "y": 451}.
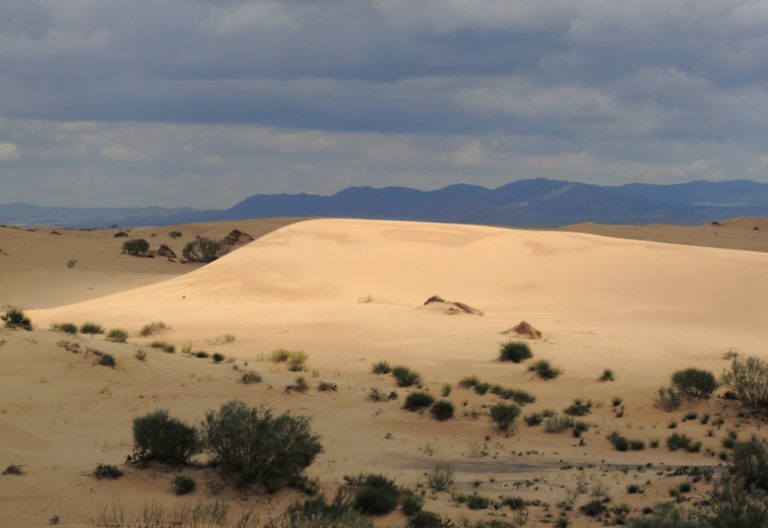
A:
{"x": 348, "y": 293}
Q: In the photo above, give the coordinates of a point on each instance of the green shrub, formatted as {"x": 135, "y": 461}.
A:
{"x": 66, "y": 328}
{"x": 107, "y": 471}
{"x": 504, "y": 415}
{"x": 694, "y": 384}
{"x": 251, "y": 444}
{"x": 747, "y": 379}
{"x": 534, "y": 419}
{"x": 164, "y": 346}
{"x": 579, "y": 428}
{"x": 477, "y": 502}
{"x": 468, "y": 382}
{"x": 375, "y": 501}
{"x": 107, "y": 360}
{"x": 203, "y": 250}
{"x": 381, "y": 367}
{"x": 15, "y": 318}
{"x": 545, "y": 370}
{"x": 154, "y": 328}
{"x": 427, "y": 519}
{"x": 417, "y": 401}
{"x": 316, "y": 512}
{"x": 519, "y": 396}
{"x": 183, "y": 485}
{"x": 668, "y": 399}
{"x": 442, "y": 410}
{"x": 579, "y": 408}
{"x": 217, "y": 357}
{"x": 482, "y": 388}
{"x": 201, "y": 354}
{"x": 680, "y": 441}
{"x": 749, "y": 463}
{"x": 411, "y": 504}
{"x": 91, "y": 328}
{"x": 405, "y": 377}
{"x": 607, "y": 375}
{"x": 446, "y": 390}
{"x": 159, "y": 437}
{"x": 280, "y": 355}
{"x": 136, "y": 247}
{"x": 594, "y": 508}
{"x": 118, "y": 335}
{"x": 250, "y": 377}
{"x": 619, "y": 442}
{"x": 515, "y": 351}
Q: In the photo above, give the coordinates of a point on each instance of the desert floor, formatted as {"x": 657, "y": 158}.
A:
{"x": 349, "y": 293}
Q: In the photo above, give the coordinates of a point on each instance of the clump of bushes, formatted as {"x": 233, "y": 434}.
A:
{"x": 381, "y": 367}
{"x": 440, "y": 478}
{"x": 203, "y": 250}
{"x": 607, "y": 375}
{"x": 416, "y": 401}
{"x": 405, "y": 377}
{"x": 294, "y": 358}
{"x": 65, "y": 328}
{"x": 747, "y": 380}
{"x": 694, "y": 384}
{"x": 250, "y": 377}
{"x": 118, "y": 335}
{"x": 515, "y": 351}
{"x": 579, "y": 408}
{"x": 161, "y": 438}
{"x": 16, "y": 318}
{"x": 519, "y": 396}
{"x": 251, "y": 444}
{"x": 91, "y": 328}
{"x": 557, "y": 424}
{"x": 107, "y": 360}
{"x": 538, "y": 417}
{"x": 680, "y": 441}
{"x": 166, "y": 347}
{"x": 183, "y": 485}
{"x": 503, "y": 415}
{"x": 136, "y": 247}
{"x": 544, "y": 370}
{"x": 442, "y": 410}
{"x": 154, "y": 328}
{"x": 620, "y": 443}
{"x": 327, "y": 386}
{"x": 468, "y": 382}
{"x": 749, "y": 463}
{"x": 217, "y": 357}
{"x": 107, "y": 471}
{"x": 318, "y": 512}
{"x": 377, "y": 496}
{"x": 201, "y": 354}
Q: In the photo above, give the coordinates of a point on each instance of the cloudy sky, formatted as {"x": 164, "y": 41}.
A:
{"x": 204, "y": 102}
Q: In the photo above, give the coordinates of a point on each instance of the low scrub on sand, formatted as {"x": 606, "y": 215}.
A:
{"x": 64, "y": 328}
{"x": 694, "y": 384}
{"x": 405, "y": 377}
{"x": 183, "y": 485}
{"x": 381, "y": 367}
{"x": 504, "y": 415}
{"x": 166, "y": 347}
{"x": 118, "y": 335}
{"x": 680, "y": 441}
{"x": 747, "y": 381}
{"x": 154, "y": 328}
{"x": 91, "y": 328}
{"x": 162, "y": 438}
{"x": 515, "y": 351}
{"x": 544, "y": 370}
{"x": 416, "y": 401}
{"x": 250, "y": 377}
{"x": 251, "y": 444}
{"x": 440, "y": 478}
{"x": 203, "y": 250}
{"x": 136, "y": 247}
{"x": 16, "y": 318}
{"x": 579, "y": 407}
{"x": 107, "y": 360}
{"x": 442, "y": 410}
{"x": 107, "y": 471}
{"x": 377, "y": 495}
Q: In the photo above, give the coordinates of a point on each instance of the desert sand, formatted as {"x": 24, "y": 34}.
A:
{"x": 348, "y": 293}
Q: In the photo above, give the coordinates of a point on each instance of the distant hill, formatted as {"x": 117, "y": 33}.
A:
{"x": 533, "y": 202}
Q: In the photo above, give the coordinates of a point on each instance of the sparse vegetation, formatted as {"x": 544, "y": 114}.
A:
{"x": 504, "y": 415}
{"x": 557, "y": 424}
{"x": 162, "y": 438}
{"x": 381, "y": 367}
{"x": 217, "y": 357}
{"x": 251, "y": 444}
{"x": 405, "y": 377}
{"x": 64, "y": 328}
{"x": 680, "y": 441}
{"x": 136, "y": 247}
{"x": 107, "y": 471}
{"x": 183, "y": 485}
{"x": 203, "y": 250}
{"x": 166, "y": 347}
{"x": 544, "y": 370}
{"x": 440, "y": 478}
{"x": 442, "y": 410}
{"x": 250, "y": 377}
{"x": 118, "y": 335}
{"x": 579, "y": 407}
{"x": 107, "y": 360}
{"x": 515, "y": 351}
{"x": 607, "y": 375}
{"x": 747, "y": 379}
{"x": 327, "y": 386}
{"x": 16, "y": 318}
{"x": 154, "y": 328}
{"x": 377, "y": 496}
{"x": 416, "y": 401}
{"x": 91, "y": 328}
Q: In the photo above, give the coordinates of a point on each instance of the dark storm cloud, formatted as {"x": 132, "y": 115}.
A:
{"x": 480, "y": 90}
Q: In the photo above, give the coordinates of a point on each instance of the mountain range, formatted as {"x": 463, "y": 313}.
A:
{"x": 532, "y": 202}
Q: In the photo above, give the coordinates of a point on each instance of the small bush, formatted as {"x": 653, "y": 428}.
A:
{"x": 594, "y": 508}
{"x": 203, "y": 250}
{"x": 299, "y": 385}
{"x": 381, "y": 367}
{"x": 680, "y": 441}
{"x": 183, "y": 485}
{"x": 694, "y": 384}
{"x": 280, "y": 355}
{"x": 155, "y": 328}
{"x": 579, "y": 408}
{"x": 607, "y": 375}
{"x": 747, "y": 379}
{"x": 618, "y": 442}
{"x": 201, "y": 354}
{"x": 557, "y": 424}
{"x": 405, "y": 377}
{"x": 159, "y": 437}
{"x": 442, "y": 410}
{"x": 375, "y": 500}
{"x": 545, "y": 370}
{"x": 251, "y": 444}
{"x": 107, "y": 360}
{"x": 515, "y": 351}
{"x": 579, "y": 428}
{"x": 136, "y": 247}
{"x": 416, "y": 401}
{"x": 670, "y": 516}
{"x": 482, "y": 388}
{"x": 668, "y": 399}
{"x": 327, "y": 386}
{"x": 504, "y": 415}
{"x": 118, "y": 335}
{"x": 411, "y": 504}
{"x": 166, "y": 347}
{"x": 218, "y": 357}
{"x": 468, "y": 382}
{"x": 749, "y": 463}
{"x": 440, "y": 478}
{"x": 65, "y": 328}
{"x": 15, "y": 318}
{"x": 446, "y": 390}
{"x": 141, "y": 355}
{"x": 91, "y": 328}
{"x": 107, "y": 471}
{"x": 534, "y": 419}
{"x": 250, "y": 377}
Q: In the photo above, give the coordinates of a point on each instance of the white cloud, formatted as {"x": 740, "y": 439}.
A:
{"x": 9, "y": 151}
